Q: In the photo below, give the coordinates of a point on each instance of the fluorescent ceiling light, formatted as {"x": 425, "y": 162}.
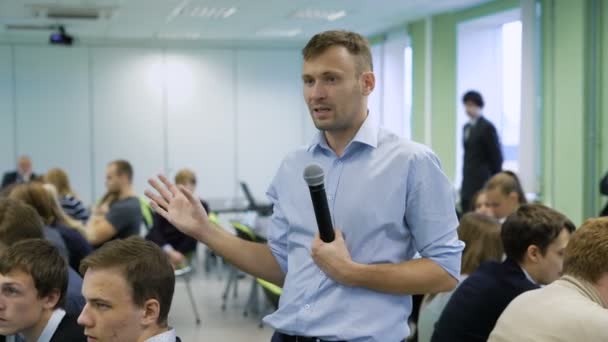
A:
{"x": 316, "y": 14}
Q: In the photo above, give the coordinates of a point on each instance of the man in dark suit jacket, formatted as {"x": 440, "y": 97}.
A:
{"x": 482, "y": 152}
{"x": 604, "y": 191}
{"x": 534, "y": 239}
{"x": 36, "y": 276}
{"x": 23, "y": 174}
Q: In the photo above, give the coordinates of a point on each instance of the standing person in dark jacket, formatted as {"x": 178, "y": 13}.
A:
{"x": 177, "y": 245}
{"x": 482, "y": 151}
{"x": 604, "y": 191}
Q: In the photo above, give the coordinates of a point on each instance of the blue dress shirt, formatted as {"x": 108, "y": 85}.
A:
{"x": 392, "y": 200}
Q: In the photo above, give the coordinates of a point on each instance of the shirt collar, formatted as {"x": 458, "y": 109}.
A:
{"x": 473, "y": 121}
{"x": 528, "y": 276}
{"x": 167, "y": 336}
{"x": 366, "y": 135}
{"x": 51, "y": 326}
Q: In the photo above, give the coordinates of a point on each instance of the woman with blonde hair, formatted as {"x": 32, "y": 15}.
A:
{"x": 69, "y": 201}
{"x": 43, "y": 201}
{"x": 481, "y": 235}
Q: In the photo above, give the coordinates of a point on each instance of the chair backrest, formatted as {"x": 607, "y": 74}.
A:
{"x": 272, "y": 292}
{"x": 146, "y": 212}
{"x": 262, "y": 210}
{"x": 243, "y": 231}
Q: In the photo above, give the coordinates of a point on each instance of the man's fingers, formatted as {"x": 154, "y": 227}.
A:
{"x": 188, "y": 194}
{"x": 156, "y": 199}
{"x": 160, "y": 189}
{"x": 170, "y": 186}
{"x": 162, "y": 212}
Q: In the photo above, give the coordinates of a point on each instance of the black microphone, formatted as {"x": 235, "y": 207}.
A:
{"x": 314, "y": 177}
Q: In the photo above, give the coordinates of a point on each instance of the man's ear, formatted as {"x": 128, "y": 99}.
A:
{"x": 533, "y": 254}
{"x": 50, "y": 301}
{"x": 151, "y": 312}
{"x": 368, "y": 82}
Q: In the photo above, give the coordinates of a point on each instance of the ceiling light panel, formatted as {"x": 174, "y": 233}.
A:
{"x": 319, "y": 14}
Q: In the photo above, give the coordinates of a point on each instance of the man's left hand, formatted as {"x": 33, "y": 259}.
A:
{"x": 333, "y": 258}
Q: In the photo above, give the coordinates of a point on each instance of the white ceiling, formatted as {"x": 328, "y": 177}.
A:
{"x": 253, "y": 20}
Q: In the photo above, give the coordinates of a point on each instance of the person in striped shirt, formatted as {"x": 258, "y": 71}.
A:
{"x": 68, "y": 199}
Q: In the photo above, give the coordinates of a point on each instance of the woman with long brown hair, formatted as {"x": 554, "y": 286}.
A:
{"x": 481, "y": 235}
{"x": 38, "y": 197}
{"x": 69, "y": 201}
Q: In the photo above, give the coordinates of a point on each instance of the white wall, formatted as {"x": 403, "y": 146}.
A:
{"x": 387, "y": 103}
{"x": 53, "y": 121}
{"x": 228, "y": 114}
{"x": 7, "y": 113}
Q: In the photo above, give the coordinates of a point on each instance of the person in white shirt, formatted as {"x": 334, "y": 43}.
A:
{"x": 128, "y": 285}
{"x": 33, "y": 285}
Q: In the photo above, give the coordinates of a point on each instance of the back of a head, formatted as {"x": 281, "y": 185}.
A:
{"x": 42, "y": 261}
{"x": 123, "y": 167}
{"x": 356, "y": 45}
{"x": 35, "y": 195}
{"x": 532, "y": 224}
{"x": 481, "y": 235}
{"x": 145, "y": 267}
{"x": 184, "y": 177}
{"x": 18, "y": 221}
{"x": 474, "y": 97}
{"x": 59, "y": 179}
{"x": 587, "y": 251}
{"x": 507, "y": 182}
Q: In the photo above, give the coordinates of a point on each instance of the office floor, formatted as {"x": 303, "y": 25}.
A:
{"x": 216, "y": 325}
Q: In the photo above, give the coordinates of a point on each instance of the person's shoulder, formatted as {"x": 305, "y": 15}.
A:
{"x": 405, "y": 148}
{"x": 69, "y": 330}
{"x": 127, "y": 203}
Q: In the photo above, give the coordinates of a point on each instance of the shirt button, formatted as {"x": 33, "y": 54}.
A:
{"x": 306, "y": 306}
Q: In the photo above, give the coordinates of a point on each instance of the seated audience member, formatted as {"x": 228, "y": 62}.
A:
{"x": 480, "y": 204}
{"x": 573, "y": 308}
{"x": 481, "y": 235}
{"x": 23, "y": 174}
{"x": 19, "y": 221}
{"x": 504, "y": 194}
{"x": 118, "y": 215}
{"x": 40, "y": 199}
{"x": 604, "y": 191}
{"x": 33, "y": 283}
{"x": 128, "y": 285}
{"x": 534, "y": 239}
{"x": 69, "y": 201}
{"x": 176, "y": 244}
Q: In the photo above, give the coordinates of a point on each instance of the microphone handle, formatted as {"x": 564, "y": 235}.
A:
{"x": 319, "y": 202}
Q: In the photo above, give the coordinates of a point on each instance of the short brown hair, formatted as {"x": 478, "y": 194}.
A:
{"x": 185, "y": 176}
{"x": 18, "y": 221}
{"x": 481, "y": 235}
{"x": 587, "y": 251}
{"x": 35, "y": 195}
{"x": 355, "y": 43}
{"x": 123, "y": 167}
{"x": 145, "y": 267}
{"x": 532, "y": 224}
{"x": 42, "y": 261}
{"x": 507, "y": 182}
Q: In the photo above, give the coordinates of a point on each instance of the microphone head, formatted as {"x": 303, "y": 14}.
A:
{"x": 314, "y": 175}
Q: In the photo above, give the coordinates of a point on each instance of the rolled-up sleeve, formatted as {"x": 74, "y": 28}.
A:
{"x": 430, "y": 213}
{"x": 278, "y": 229}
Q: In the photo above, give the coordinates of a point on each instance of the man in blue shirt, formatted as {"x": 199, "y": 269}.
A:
{"x": 388, "y": 196}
